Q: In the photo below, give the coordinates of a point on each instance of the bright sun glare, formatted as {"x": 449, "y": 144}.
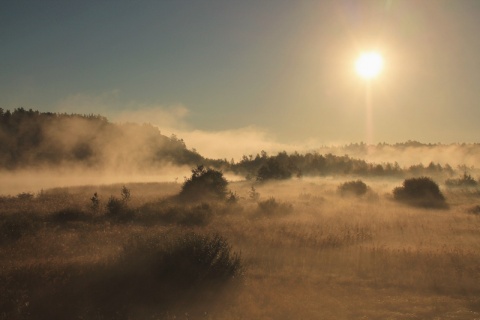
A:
{"x": 369, "y": 64}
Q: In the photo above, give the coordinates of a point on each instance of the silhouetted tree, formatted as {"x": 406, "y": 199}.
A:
{"x": 277, "y": 168}
{"x": 204, "y": 184}
{"x": 422, "y": 192}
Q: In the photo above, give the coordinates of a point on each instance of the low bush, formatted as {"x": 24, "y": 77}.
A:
{"x": 69, "y": 215}
{"x": 353, "y": 188}
{"x": 155, "y": 275}
{"x": 15, "y": 226}
{"x": 421, "y": 192}
{"x": 115, "y": 206}
{"x": 466, "y": 181}
{"x": 232, "y": 198}
{"x": 195, "y": 258}
{"x": 25, "y": 196}
{"x": 117, "y": 209}
{"x": 272, "y": 207}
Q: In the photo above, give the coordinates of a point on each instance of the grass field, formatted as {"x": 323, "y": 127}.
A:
{"x": 309, "y": 254}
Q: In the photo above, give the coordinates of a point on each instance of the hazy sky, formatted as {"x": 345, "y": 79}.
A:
{"x": 279, "y": 71}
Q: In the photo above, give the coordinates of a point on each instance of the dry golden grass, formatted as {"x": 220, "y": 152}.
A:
{"x": 330, "y": 258}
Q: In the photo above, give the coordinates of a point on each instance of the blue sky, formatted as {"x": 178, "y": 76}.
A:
{"x": 280, "y": 72}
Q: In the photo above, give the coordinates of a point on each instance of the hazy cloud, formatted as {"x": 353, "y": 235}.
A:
{"x": 111, "y": 105}
{"x": 81, "y": 103}
{"x": 237, "y": 142}
{"x": 166, "y": 118}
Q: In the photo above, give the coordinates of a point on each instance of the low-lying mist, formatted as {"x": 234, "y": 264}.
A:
{"x": 32, "y": 181}
{"x": 46, "y": 150}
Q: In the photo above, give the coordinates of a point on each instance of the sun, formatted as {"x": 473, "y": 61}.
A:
{"x": 369, "y": 65}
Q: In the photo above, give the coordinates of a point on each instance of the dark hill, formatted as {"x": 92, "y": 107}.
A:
{"x": 41, "y": 139}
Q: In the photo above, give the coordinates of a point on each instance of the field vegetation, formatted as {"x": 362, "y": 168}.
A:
{"x": 289, "y": 249}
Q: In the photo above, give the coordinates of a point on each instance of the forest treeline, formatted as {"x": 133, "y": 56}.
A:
{"x": 33, "y": 139}
{"x": 284, "y": 166}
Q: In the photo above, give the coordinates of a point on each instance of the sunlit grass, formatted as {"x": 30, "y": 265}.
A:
{"x": 329, "y": 257}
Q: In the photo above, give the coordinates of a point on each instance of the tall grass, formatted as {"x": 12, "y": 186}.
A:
{"x": 330, "y": 257}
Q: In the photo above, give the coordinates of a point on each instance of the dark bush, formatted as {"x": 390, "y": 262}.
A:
{"x": 156, "y": 276}
{"x": 421, "y": 192}
{"x": 272, "y": 207}
{"x": 69, "y": 215}
{"x": 115, "y": 206}
{"x": 95, "y": 203}
{"x": 204, "y": 184}
{"x": 355, "y": 188}
{"x": 196, "y": 258}
{"x": 466, "y": 181}
{"x": 15, "y": 226}
{"x": 25, "y": 196}
{"x": 118, "y": 210}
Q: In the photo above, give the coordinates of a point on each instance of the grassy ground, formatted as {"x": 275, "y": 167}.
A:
{"x": 310, "y": 254}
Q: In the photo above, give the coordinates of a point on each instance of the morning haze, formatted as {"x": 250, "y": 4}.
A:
{"x": 283, "y": 67}
{"x": 239, "y": 160}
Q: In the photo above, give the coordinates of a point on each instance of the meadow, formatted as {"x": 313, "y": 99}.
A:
{"x": 294, "y": 249}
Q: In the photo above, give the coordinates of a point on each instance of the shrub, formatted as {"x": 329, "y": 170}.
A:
{"x": 68, "y": 215}
{"x": 154, "y": 275}
{"x": 204, "y": 184}
{"x": 15, "y": 226}
{"x": 422, "y": 192}
{"x": 115, "y": 206}
{"x": 25, "y": 196}
{"x": 117, "y": 209}
{"x": 162, "y": 271}
{"x": 95, "y": 203}
{"x": 271, "y": 206}
{"x": 465, "y": 181}
{"x": 356, "y": 188}
{"x": 195, "y": 258}
{"x": 125, "y": 195}
{"x": 253, "y": 194}
{"x": 232, "y": 198}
